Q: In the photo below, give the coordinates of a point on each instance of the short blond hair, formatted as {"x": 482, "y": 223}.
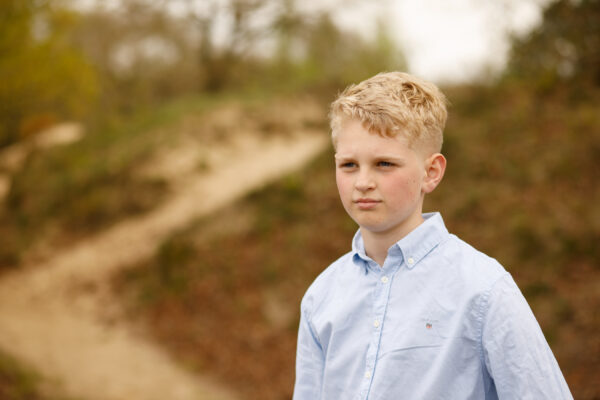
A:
{"x": 393, "y": 103}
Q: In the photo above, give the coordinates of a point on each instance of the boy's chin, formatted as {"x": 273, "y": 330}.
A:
{"x": 371, "y": 222}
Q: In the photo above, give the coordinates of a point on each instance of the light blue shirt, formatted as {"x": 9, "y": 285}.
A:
{"x": 439, "y": 320}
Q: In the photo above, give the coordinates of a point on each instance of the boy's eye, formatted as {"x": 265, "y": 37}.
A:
{"x": 348, "y": 164}
{"x": 384, "y": 164}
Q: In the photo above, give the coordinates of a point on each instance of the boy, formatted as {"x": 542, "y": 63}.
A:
{"x": 412, "y": 312}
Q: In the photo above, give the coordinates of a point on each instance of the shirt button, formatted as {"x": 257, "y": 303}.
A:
{"x": 411, "y": 261}
{"x": 376, "y": 323}
{"x": 368, "y": 374}
{"x": 385, "y": 279}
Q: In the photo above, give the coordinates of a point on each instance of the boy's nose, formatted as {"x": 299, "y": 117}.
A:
{"x": 364, "y": 182}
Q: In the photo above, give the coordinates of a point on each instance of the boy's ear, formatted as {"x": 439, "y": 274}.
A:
{"x": 435, "y": 166}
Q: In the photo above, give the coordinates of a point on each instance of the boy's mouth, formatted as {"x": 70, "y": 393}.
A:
{"x": 366, "y": 203}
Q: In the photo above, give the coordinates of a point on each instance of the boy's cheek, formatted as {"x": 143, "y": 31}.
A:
{"x": 341, "y": 183}
{"x": 345, "y": 195}
{"x": 344, "y": 191}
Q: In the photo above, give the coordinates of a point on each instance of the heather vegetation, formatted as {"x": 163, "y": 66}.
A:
{"x": 19, "y": 383}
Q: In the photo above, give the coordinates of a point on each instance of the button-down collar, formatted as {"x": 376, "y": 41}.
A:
{"x": 413, "y": 247}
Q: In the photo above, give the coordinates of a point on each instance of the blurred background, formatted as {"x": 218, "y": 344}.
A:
{"x": 109, "y": 110}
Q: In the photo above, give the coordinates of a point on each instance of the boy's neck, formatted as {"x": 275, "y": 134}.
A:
{"x": 377, "y": 244}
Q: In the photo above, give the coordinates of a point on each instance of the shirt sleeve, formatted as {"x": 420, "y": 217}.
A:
{"x": 515, "y": 351}
{"x": 309, "y": 362}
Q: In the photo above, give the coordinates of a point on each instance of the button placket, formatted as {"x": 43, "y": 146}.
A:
{"x": 379, "y": 309}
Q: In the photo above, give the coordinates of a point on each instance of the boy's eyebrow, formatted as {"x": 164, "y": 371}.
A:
{"x": 377, "y": 157}
{"x": 389, "y": 157}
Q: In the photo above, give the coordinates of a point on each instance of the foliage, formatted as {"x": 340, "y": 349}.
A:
{"x": 335, "y": 58}
{"x": 143, "y": 56}
{"x": 565, "y": 47}
{"x": 43, "y": 77}
{"x": 17, "y": 383}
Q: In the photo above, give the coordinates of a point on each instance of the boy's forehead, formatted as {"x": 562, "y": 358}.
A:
{"x": 359, "y": 137}
{"x": 378, "y": 150}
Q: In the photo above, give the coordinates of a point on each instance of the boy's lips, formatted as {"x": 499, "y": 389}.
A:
{"x": 366, "y": 203}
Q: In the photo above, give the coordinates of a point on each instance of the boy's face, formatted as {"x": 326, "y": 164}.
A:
{"x": 380, "y": 180}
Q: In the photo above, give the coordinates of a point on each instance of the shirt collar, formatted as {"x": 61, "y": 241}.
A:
{"x": 414, "y": 246}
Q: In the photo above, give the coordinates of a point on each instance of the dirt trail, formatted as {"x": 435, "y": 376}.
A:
{"x": 59, "y": 317}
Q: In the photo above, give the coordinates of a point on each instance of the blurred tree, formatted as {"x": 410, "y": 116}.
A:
{"x": 42, "y": 77}
{"x": 338, "y": 57}
{"x": 142, "y": 53}
{"x": 565, "y": 46}
{"x": 232, "y": 59}
{"x": 273, "y": 42}
{"x": 147, "y": 51}
{"x": 287, "y": 25}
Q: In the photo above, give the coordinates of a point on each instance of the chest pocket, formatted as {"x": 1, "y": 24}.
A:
{"x": 425, "y": 331}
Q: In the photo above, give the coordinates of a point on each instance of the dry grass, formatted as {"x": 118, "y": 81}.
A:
{"x": 19, "y": 383}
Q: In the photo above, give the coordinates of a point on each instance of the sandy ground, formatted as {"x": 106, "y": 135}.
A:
{"x": 59, "y": 317}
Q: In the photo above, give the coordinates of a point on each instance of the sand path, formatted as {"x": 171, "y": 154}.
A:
{"x": 59, "y": 317}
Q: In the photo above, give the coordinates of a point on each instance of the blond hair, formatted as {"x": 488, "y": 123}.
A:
{"x": 394, "y": 103}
